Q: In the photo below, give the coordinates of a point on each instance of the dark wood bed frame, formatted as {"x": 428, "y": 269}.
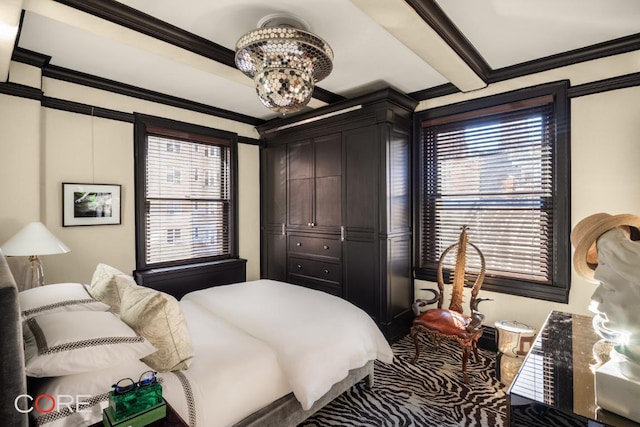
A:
{"x": 284, "y": 412}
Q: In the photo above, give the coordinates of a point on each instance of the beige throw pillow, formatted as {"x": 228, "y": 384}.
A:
{"x": 157, "y": 317}
{"x": 106, "y": 289}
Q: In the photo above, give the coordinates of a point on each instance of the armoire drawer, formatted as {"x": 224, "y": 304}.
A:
{"x": 318, "y": 269}
{"x": 318, "y": 284}
{"x": 315, "y": 246}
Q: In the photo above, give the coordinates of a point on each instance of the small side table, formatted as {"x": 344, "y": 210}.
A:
{"x": 171, "y": 420}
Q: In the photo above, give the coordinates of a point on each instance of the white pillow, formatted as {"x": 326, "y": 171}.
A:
{"x": 79, "y": 341}
{"x": 158, "y": 317}
{"x": 89, "y": 388}
{"x": 57, "y": 297}
{"x": 104, "y": 287}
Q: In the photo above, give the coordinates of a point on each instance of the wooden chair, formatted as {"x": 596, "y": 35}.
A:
{"x": 439, "y": 323}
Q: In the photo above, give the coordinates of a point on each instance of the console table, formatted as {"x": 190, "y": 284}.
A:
{"x": 555, "y": 384}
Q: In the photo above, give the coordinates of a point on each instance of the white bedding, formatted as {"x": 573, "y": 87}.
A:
{"x": 254, "y": 343}
{"x": 317, "y": 337}
{"x": 232, "y": 374}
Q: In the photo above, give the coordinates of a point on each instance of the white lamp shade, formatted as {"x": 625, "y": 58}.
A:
{"x": 34, "y": 239}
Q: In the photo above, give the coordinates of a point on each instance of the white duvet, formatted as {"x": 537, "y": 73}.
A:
{"x": 231, "y": 376}
{"x": 317, "y": 338}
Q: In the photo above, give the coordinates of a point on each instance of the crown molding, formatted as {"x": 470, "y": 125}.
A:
{"x": 29, "y": 57}
{"x": 89, "y": 80}
{"x": 88, "y": 110}
{"x": 588, "y": 53}
{"x": 22, "y": 91}
{"x": 613, "y": 83}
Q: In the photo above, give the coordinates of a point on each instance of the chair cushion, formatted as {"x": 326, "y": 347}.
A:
{"x": 446, "y": 322}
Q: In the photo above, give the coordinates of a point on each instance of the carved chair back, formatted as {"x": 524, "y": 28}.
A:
{"x": 459, "y": 273}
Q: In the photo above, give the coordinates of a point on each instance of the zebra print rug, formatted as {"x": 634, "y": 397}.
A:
{"x": 429, "y": 393}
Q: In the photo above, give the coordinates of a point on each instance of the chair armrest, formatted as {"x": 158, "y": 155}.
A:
{"x": 419, "y": 303}
{"x": 476, "y": 317}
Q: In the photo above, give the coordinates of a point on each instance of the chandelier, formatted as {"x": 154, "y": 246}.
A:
{"x": 284, "y": 60}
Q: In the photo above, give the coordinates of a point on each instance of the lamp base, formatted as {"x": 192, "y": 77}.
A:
{"x": 617, "y": 393}
{"x": 32, "y": 273}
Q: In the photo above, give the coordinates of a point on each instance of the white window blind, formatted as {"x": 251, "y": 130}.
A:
{"x": 188, "y": 199}
{"x": 492, "y": 171}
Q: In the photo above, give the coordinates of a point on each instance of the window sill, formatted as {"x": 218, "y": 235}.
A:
{"x": 510, "y": 287}
{"x": 180, "y": 280}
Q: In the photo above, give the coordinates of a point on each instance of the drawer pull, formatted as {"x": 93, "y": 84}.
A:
{"x": 299, "y": 267}
{"x": 326, "y": 271}
{"x": 325, "y": 247}
{"x": 298, "y": 244}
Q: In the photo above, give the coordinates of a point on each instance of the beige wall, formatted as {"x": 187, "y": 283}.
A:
{"x": 605, "y": 172}
{"x": 40, "y": 148}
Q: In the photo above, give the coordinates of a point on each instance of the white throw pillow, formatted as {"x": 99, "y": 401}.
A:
{"x": 105, "y": 288}
{"x": 57, "y": 297}
{"x": 79, "y": 341}
{"x": 87, "y": 391}
{"x": 158, "y": 317}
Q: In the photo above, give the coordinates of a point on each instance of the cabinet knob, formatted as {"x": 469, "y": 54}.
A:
{"x": 326, "y": 271}
{"x": 298, "y": 244}
{"x": 309, "y": 224}
{"x": 325, "y": 247}
{"x": 299, "y": 267}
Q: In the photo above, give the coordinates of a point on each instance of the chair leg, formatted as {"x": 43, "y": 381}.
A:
{"x": 414, "y": 334}
{"x": 465, "y": 357}
{"x": 475, "y": 351}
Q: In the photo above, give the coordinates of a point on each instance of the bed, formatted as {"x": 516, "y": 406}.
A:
{"x": 263, "y": 353}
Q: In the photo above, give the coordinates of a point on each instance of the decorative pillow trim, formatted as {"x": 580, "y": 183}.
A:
{"x": 188, "y": 395}
{"x": 44, "y": 349}
{"x": 27, "y": 313}
{"x": 41, "y": 339}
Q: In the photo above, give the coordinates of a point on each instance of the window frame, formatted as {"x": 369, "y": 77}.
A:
{"x": 558, "y": 290}
{"x": 187, "y": 131}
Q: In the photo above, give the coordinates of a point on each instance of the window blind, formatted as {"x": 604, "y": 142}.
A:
{"x": 491, "y": 171}
{"x": 187, "y": 199}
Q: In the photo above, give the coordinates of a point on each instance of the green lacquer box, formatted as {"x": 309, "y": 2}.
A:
{"x": 136, "y": 401}
{"x": 138, "y": 420}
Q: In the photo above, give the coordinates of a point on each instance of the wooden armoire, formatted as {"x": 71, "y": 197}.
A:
{"x": 336, "y": 204}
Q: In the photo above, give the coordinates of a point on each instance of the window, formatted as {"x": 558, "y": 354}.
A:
{"x": 173, "y": 175}
{"x": 173, "y": 146}
{"x": 173, "y": 236}
{"x": 180, "y": 220}
{"x": 499, "y": 165}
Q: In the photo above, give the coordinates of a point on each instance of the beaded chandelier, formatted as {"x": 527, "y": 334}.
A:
{"x": 284, "y": 60}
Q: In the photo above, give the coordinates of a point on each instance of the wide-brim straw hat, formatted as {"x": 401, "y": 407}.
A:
{"x": 586, "y": 233}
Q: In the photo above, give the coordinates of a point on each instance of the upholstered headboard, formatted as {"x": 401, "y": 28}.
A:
{"x": 12, "y": 374}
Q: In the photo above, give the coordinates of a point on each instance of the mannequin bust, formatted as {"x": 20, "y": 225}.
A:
{"x": 608, "y": 254}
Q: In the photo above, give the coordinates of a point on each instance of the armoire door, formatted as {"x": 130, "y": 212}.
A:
{"x": 361, "y": 263}
{"x": 300, "y": 184}
{"x": 274, "y": 212}
{"x": 327, "y": 198}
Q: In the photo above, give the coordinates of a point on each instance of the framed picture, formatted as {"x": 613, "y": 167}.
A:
{"x": 90, "y": 204}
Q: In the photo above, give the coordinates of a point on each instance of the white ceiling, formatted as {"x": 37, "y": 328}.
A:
{"x": 377, "y": 43}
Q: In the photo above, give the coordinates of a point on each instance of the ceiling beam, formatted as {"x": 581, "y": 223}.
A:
{"x": 122, "y": 15}
{"x": 404, "y": 23}
{"x": 10, "y": 11}
{"x": 435, "y": 17}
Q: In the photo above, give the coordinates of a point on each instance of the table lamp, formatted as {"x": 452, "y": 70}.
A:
{"x": 33, "y": 240}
